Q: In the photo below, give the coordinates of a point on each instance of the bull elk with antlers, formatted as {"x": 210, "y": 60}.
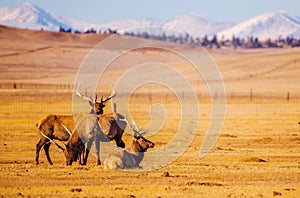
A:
{"x": 58, "y": 127}
{"x": 109, "y": 124}
{"x": 77, "y": 148}
{"x": 132, "y": 156}
{"x": 97, "y": 107}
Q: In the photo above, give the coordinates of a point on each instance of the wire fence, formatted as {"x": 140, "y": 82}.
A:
{"x": 33, "y": 91}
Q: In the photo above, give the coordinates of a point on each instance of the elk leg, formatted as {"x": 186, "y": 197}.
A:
{"x": 82, "y": 156}
{"x": 118, "y": 139}
{"x": 39, "y": 145}
{"x": 79, "y": 158}
{"x": 46, "y": 148}
{"x": 87, "y": 151}
{"x": 97, "y": 148}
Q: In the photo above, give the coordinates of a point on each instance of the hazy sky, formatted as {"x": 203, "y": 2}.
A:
{"x": 98, "y": 11}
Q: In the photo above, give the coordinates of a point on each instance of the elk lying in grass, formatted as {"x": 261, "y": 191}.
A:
{"x": 56, "y": 126}
{"x": 132, "y": 156}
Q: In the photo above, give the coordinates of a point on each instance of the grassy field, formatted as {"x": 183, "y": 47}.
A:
{"x": 256, "y": 155}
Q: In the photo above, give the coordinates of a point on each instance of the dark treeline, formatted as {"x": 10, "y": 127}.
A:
{"x": 206, "y": 41}
{"x": 214, "y": 42}
{"x": 88, "y": 31}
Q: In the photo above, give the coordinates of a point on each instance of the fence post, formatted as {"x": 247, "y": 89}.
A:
{"x": 115, "y": 108}
{"x": 150, "y": 96}
{"x": 288, "y": 96}
{"x": 251, "y": 94}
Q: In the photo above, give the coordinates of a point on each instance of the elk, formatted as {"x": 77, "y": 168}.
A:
{"x": 109, "y": 127}
{"x": 73, "y": 149}
{"x": 58, "y": 126}
{"x": 131, "y": 157}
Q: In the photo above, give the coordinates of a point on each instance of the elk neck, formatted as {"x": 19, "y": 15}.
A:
{"x": 135, "y": 153}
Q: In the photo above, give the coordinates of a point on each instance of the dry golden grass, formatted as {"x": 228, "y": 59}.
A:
{"x": 257, "y": 153}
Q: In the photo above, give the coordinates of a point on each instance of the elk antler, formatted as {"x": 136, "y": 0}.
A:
{"x": 83, "y": 96}
{"x": 69, "y": 132}
{"x": 135, "y": 128}
{"x": 52, "y": 141}
{"x": 138, "y": 130}
{"x": 113, "y": 94}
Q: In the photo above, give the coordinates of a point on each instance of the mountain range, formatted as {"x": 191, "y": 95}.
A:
{"x": 268, "y": 25}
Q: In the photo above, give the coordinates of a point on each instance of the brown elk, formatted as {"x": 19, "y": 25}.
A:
{"x": 73, "y": 149}
{"x": 111, "y": 127}
{"x": 132, "y": 156}
{"x": 57, "y": 126}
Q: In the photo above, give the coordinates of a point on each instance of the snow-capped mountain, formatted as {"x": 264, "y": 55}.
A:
{"x": 130, "y": 24}
{"x": 268, "y": 25}
{"x": 196, "y": 25}
{"x": 30, "y": 17}
{"x": 192, "y": 24}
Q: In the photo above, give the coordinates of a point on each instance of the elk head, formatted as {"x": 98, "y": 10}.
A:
{"x": 140, "y": 143}
{"x": 70, "y": 157}
{"x": 73, "y": 152}
{"x": 73, "y": 148}
{"x": 97, "y": 107}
